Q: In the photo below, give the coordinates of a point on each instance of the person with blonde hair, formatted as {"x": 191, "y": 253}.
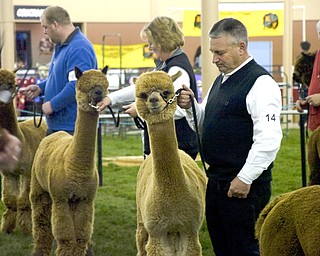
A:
{"x": 165, "y": 39}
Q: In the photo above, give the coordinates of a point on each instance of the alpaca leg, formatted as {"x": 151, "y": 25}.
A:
{"x": 10, "y": 192}
{"x": 63, "y": 227}
{"x": 154, "y": 247}
{"x": 141, "y": 237}
{"x": 83, "y": 223}
{"x": 90, "y": 249}
{"x": 178, "y": 243}
{"x": 24, "y": 206}
{"x": 193, "y": 245}
{"x": 41, "y": 214}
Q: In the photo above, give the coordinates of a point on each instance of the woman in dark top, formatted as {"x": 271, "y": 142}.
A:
{"x": 165, "y": 39}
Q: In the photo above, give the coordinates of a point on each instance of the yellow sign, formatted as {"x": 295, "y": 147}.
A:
{"x": 258, "y": 23}
{"x": 129, "y": 56}
{"x": 191, "y": 23}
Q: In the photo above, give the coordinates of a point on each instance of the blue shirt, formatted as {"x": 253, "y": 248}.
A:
{"x": 59, "y": 88}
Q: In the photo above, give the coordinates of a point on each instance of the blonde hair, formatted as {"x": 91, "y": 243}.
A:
{"x": 163, "y": 33}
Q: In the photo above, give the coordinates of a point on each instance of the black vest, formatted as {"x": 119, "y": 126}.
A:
{"x": 186, "y": 137}
{"x": 228, "y": 129}
{"x": 182, "y": 61}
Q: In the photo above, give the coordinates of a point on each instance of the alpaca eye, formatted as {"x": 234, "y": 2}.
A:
{"x": 7, "y": 86}
{"x": 166, "y": 93}
{"x": 143, "y": 96}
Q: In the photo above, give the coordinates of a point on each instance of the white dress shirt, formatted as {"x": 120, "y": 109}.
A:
{"x": 264, "y": 106}
{"x": 127, "y": 94}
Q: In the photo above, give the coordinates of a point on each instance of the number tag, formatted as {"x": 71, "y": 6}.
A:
{"x": 271, "y": 118}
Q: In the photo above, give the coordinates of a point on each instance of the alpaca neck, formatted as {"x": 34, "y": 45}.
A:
{"x": 9, "y": 119}
{"x": 164, "y": 150}
{"x": 84, "y": 139}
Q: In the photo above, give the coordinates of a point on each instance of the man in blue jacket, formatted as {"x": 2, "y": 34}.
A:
{"x": 72, "y": 49}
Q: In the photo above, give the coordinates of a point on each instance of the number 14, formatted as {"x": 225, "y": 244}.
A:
{"x": 271, "y": 118}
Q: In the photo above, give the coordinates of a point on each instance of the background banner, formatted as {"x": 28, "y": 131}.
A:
{"x": 259, "y": 23}
{"x": 133, "y": 56}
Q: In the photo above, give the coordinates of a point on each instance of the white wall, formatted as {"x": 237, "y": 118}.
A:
{"x": 118, "y": 10}
{"x": 146, "y": 10}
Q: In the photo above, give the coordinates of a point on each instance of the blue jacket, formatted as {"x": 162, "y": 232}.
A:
{"x": 59, "y": 88}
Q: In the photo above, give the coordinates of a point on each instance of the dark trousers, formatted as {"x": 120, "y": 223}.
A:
{"x": 231, "y": 221}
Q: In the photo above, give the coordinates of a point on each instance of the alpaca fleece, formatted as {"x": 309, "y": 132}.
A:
{"x": 170, "y": 192}
{"x": 16, "y": 183}
{"x": 64, "y": 177}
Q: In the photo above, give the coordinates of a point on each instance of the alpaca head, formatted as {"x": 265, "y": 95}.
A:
{"x": 7, "y": 86}
{"x": 153, "y": 92}
{"x": 92, "y": 87}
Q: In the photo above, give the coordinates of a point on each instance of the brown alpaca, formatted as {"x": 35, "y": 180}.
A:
{"x": 64, "y": 176}
{"x": 16, "y": 183}
{"x": 170, "y": 185}
{"x": 314, "y": 157}
{"x": 290, "y": 224}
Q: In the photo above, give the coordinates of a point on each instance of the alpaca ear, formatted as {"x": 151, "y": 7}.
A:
{"x": 78, "y": 72}
{"x": 175, "y": 76}
{"x": 134, "y": 80}
{"x": 105, "y": 69}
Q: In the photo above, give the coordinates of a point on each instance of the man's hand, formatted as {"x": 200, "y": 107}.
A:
{"x": 301, "y": 105}
{"x": 313, "y": 100}
{"x": 32, "y": 91}
{"x": 184, "y": 99}
{"x": 238, "y": 189}
{"x": 46, "y": 108}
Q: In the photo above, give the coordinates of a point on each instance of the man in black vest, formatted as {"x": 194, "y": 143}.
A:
{"x": 239, "y": 121}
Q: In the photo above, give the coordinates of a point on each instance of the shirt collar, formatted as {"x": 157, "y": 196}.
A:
{"x": 161, "y": 64}
{"x": 72, "y": 35}
{"x": 226, "y": 76}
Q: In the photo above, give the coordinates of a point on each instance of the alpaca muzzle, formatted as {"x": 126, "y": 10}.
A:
{"x": 95, "y": 95}
{"x": 5, "y": 96}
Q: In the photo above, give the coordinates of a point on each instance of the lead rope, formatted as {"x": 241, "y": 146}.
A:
{"x": 169, "y": 102}
{"x": 197, "y": 133}
{"x": 37, "y": 125}
{"x": 34, "y": 103}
